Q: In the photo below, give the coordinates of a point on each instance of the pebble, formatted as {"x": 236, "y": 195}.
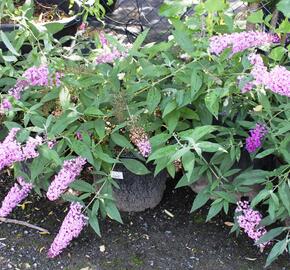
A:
{"x": 9, "y": 266}
{"x": 27, "y": 266}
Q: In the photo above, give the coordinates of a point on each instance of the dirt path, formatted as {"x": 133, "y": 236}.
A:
{"x": 147, "y": 241}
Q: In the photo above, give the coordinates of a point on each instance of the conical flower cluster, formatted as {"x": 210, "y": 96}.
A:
{"x": 70, "y": 170}
{"x": 71, "y": 227}
{"x": 35, "y": 76}
{"x": 12, "y": 151}
{"x": 249, "y": 220}
{"x": 277, "y": 79}
{"x": 254, "y": 141}
{"x": 139, "y": 138}
{"x": 15, "y": 195}
{"x": 239, "y": 42}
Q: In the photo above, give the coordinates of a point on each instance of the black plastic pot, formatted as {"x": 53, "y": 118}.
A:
{"x": 139, "y": 192}
{"x": 70, "y": 24}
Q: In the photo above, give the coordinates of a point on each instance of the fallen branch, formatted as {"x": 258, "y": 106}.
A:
{"x": 23, "y": 223}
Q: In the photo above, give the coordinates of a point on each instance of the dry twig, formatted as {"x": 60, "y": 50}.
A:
{"x": 23, "y": 223}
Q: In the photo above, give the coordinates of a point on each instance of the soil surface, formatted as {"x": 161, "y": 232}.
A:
{"x": 153, "y": 239}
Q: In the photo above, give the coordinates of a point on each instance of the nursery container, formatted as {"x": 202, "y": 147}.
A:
{"x": 70, "y": 24}
{"x": 138, "y": 192}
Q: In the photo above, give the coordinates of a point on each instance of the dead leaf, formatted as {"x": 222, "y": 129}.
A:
{"x": 102, "y": 248}
{"x": 230, "y": 224}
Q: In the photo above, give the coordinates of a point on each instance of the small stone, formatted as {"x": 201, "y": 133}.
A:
{"x": 35, "y": 265}
{"x": 27, "y": 266}
{"x": 9, "y": 266}
{"x": 25, "y": 232}
{"x": 102, "y": 248}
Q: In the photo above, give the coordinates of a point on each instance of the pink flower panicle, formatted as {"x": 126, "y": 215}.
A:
{"x": 239, "y": 42}
{"x": 12, "y": 151}
{"x": 104, "y": 42}
{"x": 277, "y": 80}
{"x": 35, "y": 76}
{"x": 29, "y": 150}
{"x": 144, "y": 147}
{"x": 70, "y": 170}
{"x": 71, "y": 228}
{"x": 139, "y": 137}
{"x": 109, "y": 56}
{"x": 5, "y": 105}
{"x": 108, "y": 53}
{"x": 254, "y": 141}
{"x": 15, "y": 195}
{"x": 249, "y": 220}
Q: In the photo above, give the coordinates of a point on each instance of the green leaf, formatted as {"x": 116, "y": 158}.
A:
{"x": 196, "y": 83}
{"x": 262, "y": 195}
{"x": 210, "y": 147}
{"x": 284, "y": 6}
{"x": 93, "y": 221}
{"x": 71, "y": 198}
{"x": 135, "y": 166}
{"x": 82, "y": 186}
{"x": 169, "y": 108}
{"x": 214, "y": 210}
{"x": 256, "y": 17}
{"x": 285, "y": 148}
{"x": 163, "y": 152}
{"x": 50, "y": 154}
{"x": 113, "y": 212}
{"x": 270, "y": 235}
{"x": 252, "y": 177}
{"x": 8, "y": 44}
{"x": 63, "y": 122}
{"x": 212, "y": 102}
{"x": 121, "y": 140}
{"x": 197, "y": 133}
{"x": 93, "y": 111}
{"x": 215, "y": 5}
{"x": 265, "y": 153}
{"x": 277, "y": 250}
{"x": 188, "y": 160}
{"x": 54, "y": 27}
{"x": 284, "y": 193}
{"x": 140, "y": 39}
{"x": 82, "y": 149}
{"x": 172, "y": 120}
{"x": 64, "y": 98}
{"x": 153, "y": 99}
{"x": 278, "y": 53}
{"x": 159, "y": 139}
{"x": 199, "y": 201}
{"x": 37, "y": 166}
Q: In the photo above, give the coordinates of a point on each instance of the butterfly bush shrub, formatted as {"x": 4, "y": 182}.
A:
{"x": 209, "y": 97}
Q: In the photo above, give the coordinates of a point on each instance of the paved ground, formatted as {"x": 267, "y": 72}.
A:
{"x": 150, "y": 240}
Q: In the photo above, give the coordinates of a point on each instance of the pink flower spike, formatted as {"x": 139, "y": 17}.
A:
{"x": 239, "y": 42}
{"x": 15, "y": 195}
{"x": 71, "y": 227}
{"x": 249, "y": 220}
{"x": 70, "y": 170}
{"x": 254, "y": 141}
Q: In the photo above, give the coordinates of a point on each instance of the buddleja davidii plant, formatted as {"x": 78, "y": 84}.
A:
{"x": 226, "y": 103}
{"x": 270, "y": 118}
